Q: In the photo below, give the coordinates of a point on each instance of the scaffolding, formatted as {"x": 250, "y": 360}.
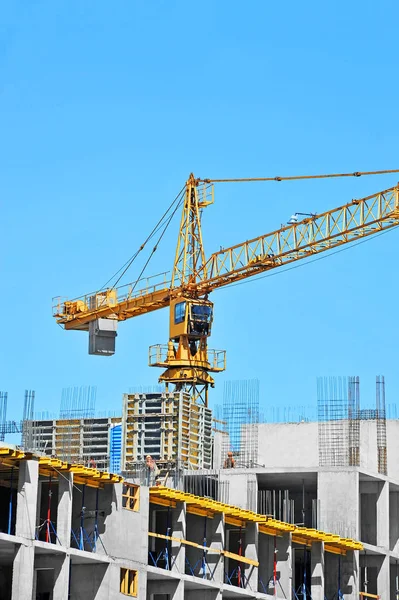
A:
{"x": 241, "y": 413}
{"x": 170, "y": 427}
{"x": 77, "y": 436}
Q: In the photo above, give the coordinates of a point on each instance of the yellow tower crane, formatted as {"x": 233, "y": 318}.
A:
{"x": 187, "y": 361}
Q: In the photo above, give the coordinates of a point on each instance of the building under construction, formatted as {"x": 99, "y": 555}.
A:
{"x": 170, "y": 427}
{"x": 309, "y": 508}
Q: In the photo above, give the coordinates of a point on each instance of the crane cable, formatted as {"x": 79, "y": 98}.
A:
{"x": 129, "y": 262}
{"x": 155, "y": 248}
{"x": 298, "y": 177}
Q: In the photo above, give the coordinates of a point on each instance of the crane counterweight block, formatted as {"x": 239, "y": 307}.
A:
{"x": 102, "y": 335}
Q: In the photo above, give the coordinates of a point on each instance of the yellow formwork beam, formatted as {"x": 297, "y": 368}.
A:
{"x": 237, "y": 516}
{"x": 50, "y": 466}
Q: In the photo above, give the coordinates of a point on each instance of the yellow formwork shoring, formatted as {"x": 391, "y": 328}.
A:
{"x": 238, "y": 516}
{"x": 54, "y": 466}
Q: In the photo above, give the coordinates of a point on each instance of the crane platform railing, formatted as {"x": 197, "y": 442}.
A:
{"x": 158, "y": 357}
{"x": 65, "y": 310}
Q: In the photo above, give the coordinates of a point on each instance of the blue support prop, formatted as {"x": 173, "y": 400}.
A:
{"x": 81, "y": 532}
{"x": 95, "y": 532}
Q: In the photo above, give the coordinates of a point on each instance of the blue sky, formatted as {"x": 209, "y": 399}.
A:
{"x": 105, "y": 109}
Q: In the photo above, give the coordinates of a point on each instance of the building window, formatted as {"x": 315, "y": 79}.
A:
{"x": 130, "y": 496}
{"x": 129, "y": 582}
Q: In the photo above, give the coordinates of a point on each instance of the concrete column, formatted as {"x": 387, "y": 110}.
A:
{"x": 394, "y": 521}
{"x": 266, "y": 563}
{"x": 178, "y": 550}
{"x": 23, "y": 572}
{"x": 350, "y": 575}
{"x": 27, "y": 498}
{"x": 284, "y": 565}
{"x": 178, "y": 593}
{"x": 251, "y": 551}
{"x": 61, "y": 578}
{"x": 142, "y": 584}
{"x": 317, "y": 571}
{"x": 383, "y": 515}
{"x": 64, "y": 510}
{"x": 383, "y": 579}
{"x": 216, "y": 539}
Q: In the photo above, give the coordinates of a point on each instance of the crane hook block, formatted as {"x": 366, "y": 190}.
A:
{"x": 102, "y": 334}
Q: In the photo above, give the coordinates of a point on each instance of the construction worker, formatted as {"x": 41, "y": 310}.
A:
{"x": 151, "y": 470}
{"x": 229, "y": 463}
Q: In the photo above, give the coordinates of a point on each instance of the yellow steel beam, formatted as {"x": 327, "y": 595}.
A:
{"x": 226, "y": 553}
{"x": 242, "y": 559}
{"x": 310, "y": 236}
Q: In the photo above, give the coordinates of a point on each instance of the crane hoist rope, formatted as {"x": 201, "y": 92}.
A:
{"x": 187, "y": 361}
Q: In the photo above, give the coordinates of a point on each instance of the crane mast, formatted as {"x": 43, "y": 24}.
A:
{"x": 186, "y": 359}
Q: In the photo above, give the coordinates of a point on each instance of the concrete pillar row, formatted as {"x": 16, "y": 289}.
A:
{"x": 383, "y": 515}
{"x": 216, "y": 541}
{"x": 284, "y": 565}
{"x": 23, "y": 573}
{"x": 64, "y": 510}
{"x": 251, "y": 551}
{"x": 178, "y": 550}
{"x": 383, "y": 578}
{"x": 27, "y": 496}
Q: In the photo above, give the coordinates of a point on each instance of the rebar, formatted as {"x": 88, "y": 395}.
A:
{"x": 241, "y": 413}
{"x": 332, "y": 400}
{"x": 381, "y": 426}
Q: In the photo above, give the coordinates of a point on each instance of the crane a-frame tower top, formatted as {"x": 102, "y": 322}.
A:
{"x": 187, "y": 361}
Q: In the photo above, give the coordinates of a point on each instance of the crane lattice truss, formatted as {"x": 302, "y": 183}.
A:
{"x": 194, "y": 276}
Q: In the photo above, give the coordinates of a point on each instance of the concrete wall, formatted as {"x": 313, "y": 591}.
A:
{"x": 393, "y": 448}
{"x": 240, "y": 482}
{"x": 368, "y": 446}
{"x": 122, "y": 525}
{"x": 288, "y": 445}
{"x": 86, "y": 581}
{"x": 338, "y": 493}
